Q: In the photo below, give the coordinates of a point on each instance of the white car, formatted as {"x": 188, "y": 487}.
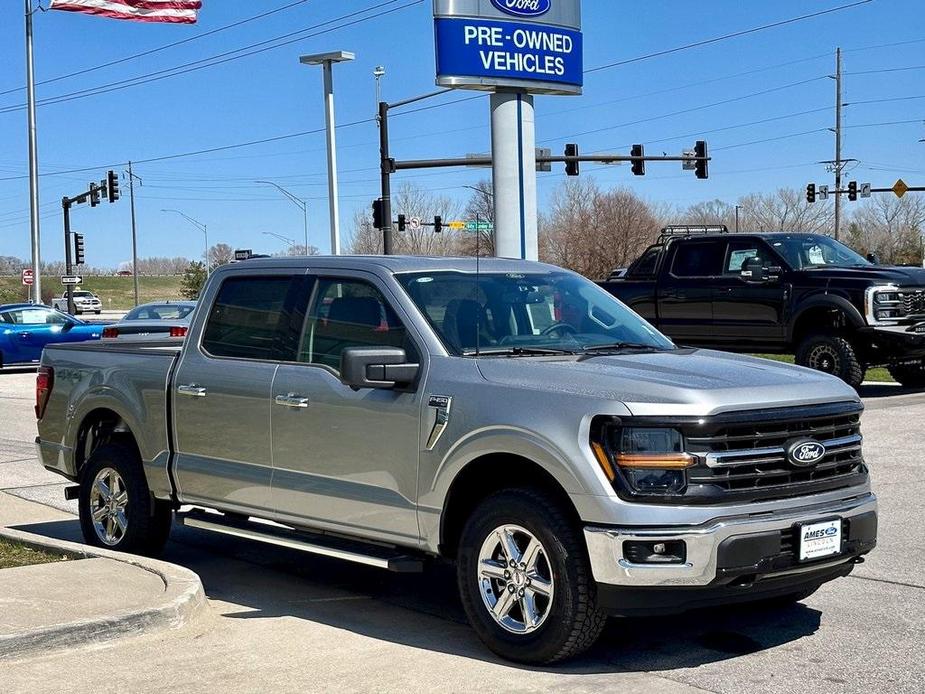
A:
{"x": 84, "y": 302}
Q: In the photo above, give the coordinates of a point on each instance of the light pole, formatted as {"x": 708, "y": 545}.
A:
{"x": 378, "y": 73}
{"x": 282, "y": 238}
{"x": 327, "y": 60}
{"x": 202, "y": 227}
{"x": 299, "y": 202}
{"x": 738, "y": 207}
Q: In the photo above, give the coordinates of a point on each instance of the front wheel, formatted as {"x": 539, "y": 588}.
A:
{"x": 831, "y": 354}
{"x": 909, "y": 375}
{"x": 116, "y": 508}
{"x": 525, "y": 581}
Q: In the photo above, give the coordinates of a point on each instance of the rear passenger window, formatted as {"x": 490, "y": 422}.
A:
{"x": 256, "y": 318}
{"x": 349, "y": 313}
{"x": 699, "y": 259}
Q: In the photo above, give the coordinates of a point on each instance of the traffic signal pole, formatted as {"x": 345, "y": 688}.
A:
{"x": 68, "y": 259}
{"x": 386, "y": 169}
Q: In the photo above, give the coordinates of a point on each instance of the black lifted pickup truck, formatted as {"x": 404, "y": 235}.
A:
{"x": 785, "y": 293}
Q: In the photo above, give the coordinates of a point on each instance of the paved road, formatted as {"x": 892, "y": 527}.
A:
{"x": 284, "y": 621}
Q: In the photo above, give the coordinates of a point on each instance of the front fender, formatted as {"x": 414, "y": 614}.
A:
{"x": 831, "y": 301}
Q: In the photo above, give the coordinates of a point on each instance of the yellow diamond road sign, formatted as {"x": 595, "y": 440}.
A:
{"x": 900, "y": 188}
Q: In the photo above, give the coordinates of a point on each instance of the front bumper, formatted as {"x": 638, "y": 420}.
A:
{"x": 894, "y": 343}
{"x": 735, "y": 551}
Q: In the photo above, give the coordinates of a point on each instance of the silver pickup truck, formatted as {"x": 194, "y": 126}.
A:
{"x": 508, "y": 416}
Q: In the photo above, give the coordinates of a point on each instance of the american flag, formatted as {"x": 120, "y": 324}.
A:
{"x": 176, "y": 11}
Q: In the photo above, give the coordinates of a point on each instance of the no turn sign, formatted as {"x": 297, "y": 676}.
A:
{"x": 28, "y": 277}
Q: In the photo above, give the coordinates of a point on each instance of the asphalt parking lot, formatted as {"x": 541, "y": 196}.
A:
{"x": 284, "y": 621}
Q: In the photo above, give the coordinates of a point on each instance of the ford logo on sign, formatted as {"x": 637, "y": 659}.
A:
{"x": 805, "y": 453}
{"x": 523, "y": 8}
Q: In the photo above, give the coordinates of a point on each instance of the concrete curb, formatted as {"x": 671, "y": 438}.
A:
{"x": 182, "y": 600}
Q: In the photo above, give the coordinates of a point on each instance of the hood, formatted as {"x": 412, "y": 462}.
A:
{"x": 684, "y": 382}
{"x": 886, "y": 274}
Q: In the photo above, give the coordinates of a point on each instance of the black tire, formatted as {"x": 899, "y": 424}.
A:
{"x": 146, "y": 520}
{"x": 909, "y": 375}
{"x": 572, "y": 620}
{"x": 831, "y": 354}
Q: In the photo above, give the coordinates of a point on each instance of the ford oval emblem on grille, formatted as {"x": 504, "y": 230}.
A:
{"x": 805, "y": 453}
{"x": 523, "y": 8}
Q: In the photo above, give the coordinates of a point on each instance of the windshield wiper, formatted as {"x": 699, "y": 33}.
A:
{"x": 622, "y": 346}
{"x": 516, "y": 352}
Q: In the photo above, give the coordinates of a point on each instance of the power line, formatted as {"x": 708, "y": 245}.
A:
{"x": 222, "y": 58}
{"x": 166, "y": 46}
{"x": 724, "y": 37}
{"x": 887, "y": 69}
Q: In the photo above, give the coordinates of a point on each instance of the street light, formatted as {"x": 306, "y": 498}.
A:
{"x": 202, "y": 227}
{"x": 282, "y": 238}
{"x": 327, "y": 60}
{"x": 299, "y": 202}
{"x": 378, "y": 73}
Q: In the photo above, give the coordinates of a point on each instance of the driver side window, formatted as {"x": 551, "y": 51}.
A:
{"x": 349, "y": 313}
{"x": 740, "y": 252}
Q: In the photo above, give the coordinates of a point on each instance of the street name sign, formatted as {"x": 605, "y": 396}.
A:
{"x": 479, "y": 226}
{"x": 534, "y": 45}
{"x": 71, "y": 280}
{"x": 28, "y": 277}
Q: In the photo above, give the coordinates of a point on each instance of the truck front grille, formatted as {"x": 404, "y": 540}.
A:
{"x": 747, "y": 458}
{"x": 913, "y": 301}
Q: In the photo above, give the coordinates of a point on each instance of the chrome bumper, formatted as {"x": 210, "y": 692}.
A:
{"x": 609, "y": 566}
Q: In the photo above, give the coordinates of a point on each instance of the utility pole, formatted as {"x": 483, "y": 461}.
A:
{"x": 386, "y": 178}
{"x": 838, "y": 161}
{"x": 131, "y": 191}
{"x": 33, "y": 163}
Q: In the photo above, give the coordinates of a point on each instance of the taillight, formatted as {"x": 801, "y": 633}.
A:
{"x": 44, "y": 381}
{"x": 178, "y": 331}
{"x": 110, "y": 332}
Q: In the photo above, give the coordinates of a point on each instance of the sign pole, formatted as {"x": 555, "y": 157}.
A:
{"x": 513, "y": 150}
{"x": 33, "y": 162}
{"x": 68, "y": 268}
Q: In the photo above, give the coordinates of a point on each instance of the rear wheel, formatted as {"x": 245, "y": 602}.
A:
{"x": 831, "y": 354}
{"x": 910, "y": 375}
{"x": 116, "y": 508}
{"x": 525, "y": 581}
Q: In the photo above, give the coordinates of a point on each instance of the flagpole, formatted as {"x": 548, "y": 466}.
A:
{"x": 33, "y": 163}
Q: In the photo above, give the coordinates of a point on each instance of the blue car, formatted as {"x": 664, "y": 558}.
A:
{"x": 25, "y": 329}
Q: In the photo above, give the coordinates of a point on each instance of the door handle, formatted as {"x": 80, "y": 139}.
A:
{"x": 192, "y": 390}
{"x": 725, "y": 290}
{"x": 291, "y": 400}
{"x": 23, "y": 336}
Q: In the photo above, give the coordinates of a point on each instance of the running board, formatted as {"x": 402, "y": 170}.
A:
{"x": 325, "y": 545}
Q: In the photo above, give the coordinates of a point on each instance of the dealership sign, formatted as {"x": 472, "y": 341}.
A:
{"x": 534, "y": 45}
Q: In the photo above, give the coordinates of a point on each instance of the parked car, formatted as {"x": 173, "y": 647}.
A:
{"x": 25, "y": 330}
{"x": 154, "y": 321}
{"x": 506, "y": 415}
{"x": 782, "y": 293}
{"x": 84, "y": 302}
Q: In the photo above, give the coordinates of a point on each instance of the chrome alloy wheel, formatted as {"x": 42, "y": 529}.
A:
{"x": 108, "y": 502}
{"x": 515, "y": 579}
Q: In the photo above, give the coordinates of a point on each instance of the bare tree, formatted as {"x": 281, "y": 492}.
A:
{"x": 301, "y": 249}
{"x": 710, "y": 212}
{"x": 480, "y": 208}
{"x": 220, "y": 254}
{"x": 593, "y": 232}
{"x": 890, "y": 227}
{"x": 786, "y": 210}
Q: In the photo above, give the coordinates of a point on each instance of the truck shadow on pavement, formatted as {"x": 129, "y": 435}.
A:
{"x": 247, "y": 580}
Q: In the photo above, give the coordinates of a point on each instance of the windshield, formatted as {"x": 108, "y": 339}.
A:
{"x": 810, "y": 250}
{"x": 160, "y": 312}
{"x": 514, "y": 313}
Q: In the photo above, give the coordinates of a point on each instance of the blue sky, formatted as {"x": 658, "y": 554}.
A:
{"x": 269, "y": 94}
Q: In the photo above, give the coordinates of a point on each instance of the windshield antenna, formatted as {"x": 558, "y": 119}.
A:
{"x": 478, "y": 254}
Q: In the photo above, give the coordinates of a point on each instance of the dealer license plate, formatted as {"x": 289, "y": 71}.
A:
{"x": 819, "y": 540}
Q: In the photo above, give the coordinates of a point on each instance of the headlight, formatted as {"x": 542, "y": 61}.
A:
{"x": 649, "y": 461}
{"x": 884, "y": 305}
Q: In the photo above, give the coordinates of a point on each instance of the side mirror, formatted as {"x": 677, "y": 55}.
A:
{"x": 755, "y": 271}
{"x": 376, "y": 367}
{"x": 873, "y": 259}
{"x": 68, "y": 324}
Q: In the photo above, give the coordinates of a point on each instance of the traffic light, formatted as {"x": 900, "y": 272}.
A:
{"x": 811, "y": 193}
{"x": 853, "y": 191}
{"x": 112, "y": 186}
{"x": 94, "y": 195}
{"x": 402, "y": 222}
{"x": 78, "y": 249}
{"x": 438, "y": 224}
{"x": 639, "y": 164}
{"x": 378, "y": 217}
{"x": 702, "y": 169}
{"x": 573, "y": 167}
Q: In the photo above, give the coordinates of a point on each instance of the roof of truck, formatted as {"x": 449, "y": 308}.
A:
{"x": 401, "y": 263}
